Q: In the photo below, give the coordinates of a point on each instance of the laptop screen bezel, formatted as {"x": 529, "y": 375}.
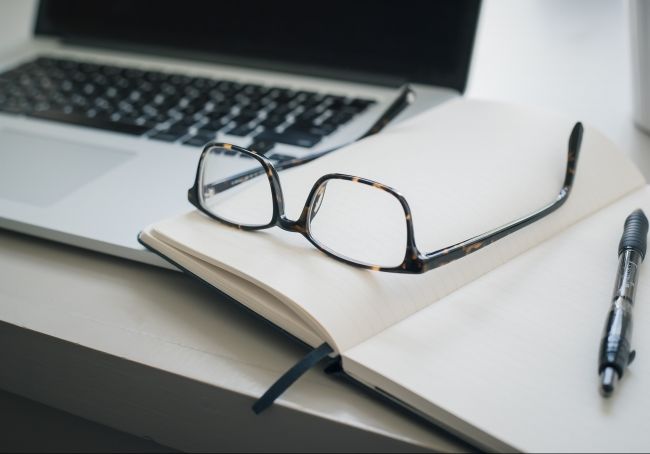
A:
{"x": 456, "y": 78}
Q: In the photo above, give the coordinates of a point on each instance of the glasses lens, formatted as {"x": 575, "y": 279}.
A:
{"x": 234, "y": 187}
{"x": 359, "y": 222}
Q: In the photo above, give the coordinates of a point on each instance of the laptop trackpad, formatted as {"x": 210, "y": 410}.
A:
{"x": 40, "y": 171}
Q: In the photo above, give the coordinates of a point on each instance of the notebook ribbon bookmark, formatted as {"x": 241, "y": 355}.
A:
{"x": 290, "y": 376}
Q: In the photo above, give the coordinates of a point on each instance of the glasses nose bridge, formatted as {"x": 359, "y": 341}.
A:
{"x": 291, "y": 225}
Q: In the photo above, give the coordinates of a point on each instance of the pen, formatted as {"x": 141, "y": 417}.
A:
{"x": 615, "y": 352}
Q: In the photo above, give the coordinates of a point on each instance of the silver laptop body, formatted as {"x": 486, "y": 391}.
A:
{"x": 97, "y": 187}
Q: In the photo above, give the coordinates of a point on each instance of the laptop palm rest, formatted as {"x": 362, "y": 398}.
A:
{"x": 39, "y": 171}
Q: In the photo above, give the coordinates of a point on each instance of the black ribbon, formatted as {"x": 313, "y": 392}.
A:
{"x": 290, "y": 376}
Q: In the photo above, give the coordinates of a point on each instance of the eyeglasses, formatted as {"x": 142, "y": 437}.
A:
{"x": 352, "y": 219}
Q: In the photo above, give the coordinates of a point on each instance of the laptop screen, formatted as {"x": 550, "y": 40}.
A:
{"x": 427, "y": 42}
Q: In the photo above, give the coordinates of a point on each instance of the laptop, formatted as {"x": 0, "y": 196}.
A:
{"x": 104, "y": 112}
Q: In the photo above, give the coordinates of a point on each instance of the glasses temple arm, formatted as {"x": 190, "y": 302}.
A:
{"x": 234, "y": 180}
{"x": 405, "y": 98}
{"x": 464, "y": 248}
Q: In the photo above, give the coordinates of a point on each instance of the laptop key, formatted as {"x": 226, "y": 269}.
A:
{"x": 186, "y": 122}
{"x": 198, "y": 141}
{"x": 290, "y": 137}
{"x": 323, "y": 129}
{"x": 96, "y": 122}
{"x": 273, "y": 121}
{"x": 216, "y": 125}
{"x": 262, "y": 146}
{"x": 316, "y": 130}
{"x": 179, "y": 129}
{"x": 281, "y": 157}
{"x": 361, "y": 104}
{"x": 242, "y": 130}
{"x": 12, "y": 108}
{"x": 145, "y": 123}
{"x": 340, "y": 118}
{"x": 244, "y": 118}
{"x": 166, "y": 136}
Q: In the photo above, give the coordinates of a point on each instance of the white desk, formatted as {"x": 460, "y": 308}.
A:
{"x": 153, "y": 353}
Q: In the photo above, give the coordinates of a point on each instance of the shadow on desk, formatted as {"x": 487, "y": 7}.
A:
{"x": 29, "y": 426}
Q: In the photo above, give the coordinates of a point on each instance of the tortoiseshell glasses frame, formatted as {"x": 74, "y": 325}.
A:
{"x": 414, "y": 260}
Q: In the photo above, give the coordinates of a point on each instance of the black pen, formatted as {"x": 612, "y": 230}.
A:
{"x": 615, "y": 351}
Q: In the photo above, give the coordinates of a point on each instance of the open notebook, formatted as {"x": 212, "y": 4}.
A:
{"x": 499, "y": 347}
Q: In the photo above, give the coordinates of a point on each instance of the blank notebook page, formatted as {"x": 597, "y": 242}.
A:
{"x": 515, "y": 353}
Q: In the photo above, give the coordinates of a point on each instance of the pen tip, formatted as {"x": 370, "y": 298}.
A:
{"x": 608, "y": 379}
{"x": 606, "y": 390}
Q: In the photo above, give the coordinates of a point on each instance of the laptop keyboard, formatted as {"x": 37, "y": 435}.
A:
{"x": 172, "y": 107}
